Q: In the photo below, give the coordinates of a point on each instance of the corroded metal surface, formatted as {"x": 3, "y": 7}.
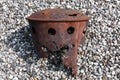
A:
{"x": 58, "y": 15}
{"x": 57, "y": 34}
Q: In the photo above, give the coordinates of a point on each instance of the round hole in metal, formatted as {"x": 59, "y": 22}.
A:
{"x": 51, "y": 31}
{"x": 72, "y": 46}
{"x": 70, "y": 30}
{"x": 65, "y": 49}
{"x": 44, "y": 48}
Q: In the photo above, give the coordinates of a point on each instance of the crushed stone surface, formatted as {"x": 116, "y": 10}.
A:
{"x": 98, "y": 58}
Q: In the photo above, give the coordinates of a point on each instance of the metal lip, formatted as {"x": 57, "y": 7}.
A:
{"x": 58, "y": 14}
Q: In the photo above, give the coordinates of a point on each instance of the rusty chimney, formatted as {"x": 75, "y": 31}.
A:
{"x": 57, "y": 33}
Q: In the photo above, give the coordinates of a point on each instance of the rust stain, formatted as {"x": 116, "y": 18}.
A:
{"x": 57, "y": 34}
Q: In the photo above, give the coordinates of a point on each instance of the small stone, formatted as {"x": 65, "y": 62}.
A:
{"x": 1, "y": 1}
{"x": 63, "y": 76}
{"x": 11, "y": 77}
{"x": 104, "y": 77}
{"x": 35, "y": 79}
{"x": 15, "y": 78}
{"x": 82, "y": 71}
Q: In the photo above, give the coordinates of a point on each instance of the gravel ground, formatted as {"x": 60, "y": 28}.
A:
{"x": 99, "y": 57}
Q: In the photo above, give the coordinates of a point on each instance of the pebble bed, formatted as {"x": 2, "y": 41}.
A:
{"x": 98, "y": 58}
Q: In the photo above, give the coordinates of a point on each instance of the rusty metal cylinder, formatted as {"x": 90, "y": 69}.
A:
{"x": 58, "y": 32}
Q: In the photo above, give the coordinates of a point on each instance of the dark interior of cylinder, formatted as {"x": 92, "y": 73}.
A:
{"x": 56, "y": 57}
{"x": 70, "y": 30}
{"x": 51, "y": 31}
